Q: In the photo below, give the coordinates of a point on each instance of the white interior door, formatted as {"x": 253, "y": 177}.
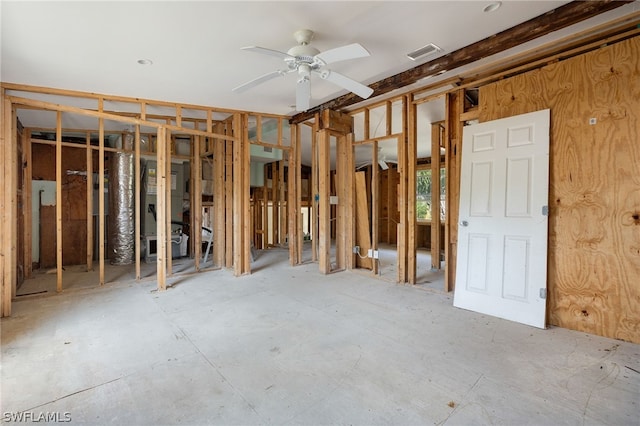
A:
{"x": 502, "y": 238}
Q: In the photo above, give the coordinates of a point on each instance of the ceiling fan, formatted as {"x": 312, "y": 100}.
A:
{"x": 305, "y": 59}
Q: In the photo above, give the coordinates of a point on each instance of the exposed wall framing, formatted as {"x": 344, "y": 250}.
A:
{"x": 604, "y": 254}
{"x": 26, "y": 201}
{"x": 453, "y": 157}
{"x": 437, "y": 141}
{"x": 411, "y": 161}
{"x": 385, "y": 189}
{"x": 8, "y": 206}
{"x": 226, "y": 137}
{"x": 294, "y": 227}
{"x": 324, "y": 206}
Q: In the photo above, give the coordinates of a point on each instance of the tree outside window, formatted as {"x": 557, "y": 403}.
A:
{"x": 423, "y": 194}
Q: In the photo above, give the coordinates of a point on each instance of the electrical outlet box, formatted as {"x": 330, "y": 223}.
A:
{"x": 356, "y": 249}
{"x": 370, "y": 253}
{"x": 375, "y": 254}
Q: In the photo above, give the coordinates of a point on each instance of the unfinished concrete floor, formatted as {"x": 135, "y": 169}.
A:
{"x": 290, "y": 346}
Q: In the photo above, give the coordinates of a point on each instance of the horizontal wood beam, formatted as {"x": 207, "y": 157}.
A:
{"x": 471, "y": 114}
{"x": 556, "y": 19}
{"x": 114, "y": 98}
{"x": 18, "y": 101}
{"x": 488, "y": 75}
{"x": 379, "y": 139}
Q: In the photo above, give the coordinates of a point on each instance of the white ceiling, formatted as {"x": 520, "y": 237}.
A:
{"x": 195, "y": 46}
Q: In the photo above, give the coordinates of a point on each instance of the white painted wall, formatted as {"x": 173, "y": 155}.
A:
{"x": 42, "y": 192}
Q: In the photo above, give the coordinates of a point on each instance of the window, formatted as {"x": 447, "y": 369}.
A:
{"x": 423, "y": 194}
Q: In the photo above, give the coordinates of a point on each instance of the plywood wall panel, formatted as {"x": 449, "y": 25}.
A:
{"x": 594, "y": 194}
{"x": 44, "y": 165}
{"x": 388, "y": 206}
{"x": 394, "y": 208}
{"x": 74, "y": 198}
{"x": 47, "y": 237}
{"x": 74, "y": 201}
{"x": 363, "y": 236}
{"x": 43, "y": 168}
{"x": 383, "y": 208}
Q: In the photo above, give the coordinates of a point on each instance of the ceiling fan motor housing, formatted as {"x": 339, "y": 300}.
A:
{"x": 303, "y": 53}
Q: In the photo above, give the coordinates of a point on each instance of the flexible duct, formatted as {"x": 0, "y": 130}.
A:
{"x": 121, "y": 203}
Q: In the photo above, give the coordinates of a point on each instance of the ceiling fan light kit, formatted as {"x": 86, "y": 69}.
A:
{"x": 306, "y": 60}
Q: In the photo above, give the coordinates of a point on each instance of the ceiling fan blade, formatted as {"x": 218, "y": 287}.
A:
{"x": 350, "y": 51}
{"x": 303, "y": 94}
{"x": 346, "y": 83}
{"x": 270, "y": 52}
{"x": 248, "y": 85}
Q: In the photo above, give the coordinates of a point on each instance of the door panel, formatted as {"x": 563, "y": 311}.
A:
{"x": 502, "y": 237}
{"x": 477, "y": 279}
{"x": 481, "y": 188}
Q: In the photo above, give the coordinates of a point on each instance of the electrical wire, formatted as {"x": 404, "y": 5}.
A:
{"x": 358, "y": 253}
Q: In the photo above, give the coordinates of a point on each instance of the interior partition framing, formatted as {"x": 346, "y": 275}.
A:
{"x": 457, "y": 113}
{"x": 241, "y": 206}
{"x": 324, "y": 205}
{"x": 437, "y": 142}
{"x": 332, "y": 183}
{"x": 226, "y": 129}
{"x": 294, "y": 227}
{"x": 395, "y": 114}
{"x": 344, "y": 220}
{"x": 453, "y": 88}
{"x": 345, "y": 191}
{"x": 8, "y": 205}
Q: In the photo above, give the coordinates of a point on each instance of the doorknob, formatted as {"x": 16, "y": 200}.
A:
{"x": 464, "y": 223}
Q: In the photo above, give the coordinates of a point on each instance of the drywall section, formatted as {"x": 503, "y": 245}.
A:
{"x": 594, "y": 225}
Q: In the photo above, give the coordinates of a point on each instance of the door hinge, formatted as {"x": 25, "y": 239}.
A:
{"x": 545, "y": 210}
{"x": 543, "y": 293}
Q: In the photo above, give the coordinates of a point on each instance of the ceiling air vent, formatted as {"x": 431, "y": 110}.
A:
{"x": 429, "y": 49}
